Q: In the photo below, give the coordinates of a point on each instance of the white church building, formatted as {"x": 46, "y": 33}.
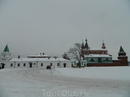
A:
{"x": 40, "y": 61}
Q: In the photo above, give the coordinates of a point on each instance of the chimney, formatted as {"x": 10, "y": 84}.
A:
{"x": 19, "y": 57}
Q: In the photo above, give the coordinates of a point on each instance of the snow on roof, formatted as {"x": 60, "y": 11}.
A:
{"x": 38, "y": 59}
{"x": 38, "y": 55}
{"x": 97, "y": 55}
{"x": 95, "y": 49}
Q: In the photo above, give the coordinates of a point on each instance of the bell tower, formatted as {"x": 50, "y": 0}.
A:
{"x": 5, "y": 55}
{"x": 122, "y": 56}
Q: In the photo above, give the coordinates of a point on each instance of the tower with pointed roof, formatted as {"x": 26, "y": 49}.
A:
{"x": 86, "y": 45}
{"x": 5, "y": 55}
{"x": 6, "y": 49}
{"x": 82, "y": 46}
{"x": 103, "y": 45}
{"x": 122, "y": 56}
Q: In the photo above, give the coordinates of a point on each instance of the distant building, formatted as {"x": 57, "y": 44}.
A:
{"x": 40, "y": 61}
{"x": 101, "y": 57}
{"x": 41, "y": 55}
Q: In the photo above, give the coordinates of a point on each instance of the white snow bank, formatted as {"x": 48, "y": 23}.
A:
{"x": 118, "y": 73}
{"x": 92, "y": 80}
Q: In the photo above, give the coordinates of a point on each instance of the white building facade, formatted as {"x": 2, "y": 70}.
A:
{"x": 37, "y": 61}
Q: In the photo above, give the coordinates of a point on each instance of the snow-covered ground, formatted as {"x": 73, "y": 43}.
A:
{"x": 66, "y": 82}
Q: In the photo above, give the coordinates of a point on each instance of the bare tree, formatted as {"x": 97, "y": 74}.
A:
{"x": 76, "y": 52}
{"x": 55, "y": 57}
{"x": 65, "y": 56}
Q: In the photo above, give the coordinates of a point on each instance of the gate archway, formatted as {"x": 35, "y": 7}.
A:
{"x": 2, "y": 65}
{"x": 30, "y": 64}
{"x": 48, "y": 67}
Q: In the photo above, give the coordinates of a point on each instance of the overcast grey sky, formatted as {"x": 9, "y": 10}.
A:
{"x": 53, "y": 26}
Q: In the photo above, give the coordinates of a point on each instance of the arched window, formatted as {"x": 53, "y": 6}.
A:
{"x": 106, "y": 59}
{"x": 24, "y": 64}
{"x": 41, "y": 64}
{"x": 99, "y": 60}
{"x": 11, "y": 65}
{"x": 18, "y": 64}
{"x": 30, "y": 63}
{"x": 58, "y": 64}
{"x": 92, "y": 60}
{"x": 64, "y": 64}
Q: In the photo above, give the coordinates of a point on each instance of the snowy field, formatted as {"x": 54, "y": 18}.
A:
{"x": 66, "y": 82}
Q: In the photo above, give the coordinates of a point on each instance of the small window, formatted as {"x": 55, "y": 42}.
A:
{"x": 50, "y": 64}
{"x": 18, "y": 64}
{"x": 11, "y": 65}
{"x": 92, "y": 60}
{"x": 107, "y": 59}
{"x": 34, "y": 63}
{"x": 64, "y": 64}
{"x": 41, "y": 64}
{"x": 99, "y": 60}
{"x": 24, "y": 64}
{"x": 58, "y": 64}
